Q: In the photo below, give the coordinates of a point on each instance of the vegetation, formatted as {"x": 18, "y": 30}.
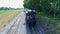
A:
{"x": 50, "y": 7}
{"x": 8, "y": 8}
{"x": 48, "y": 14}
{"x": 6, "y": 16}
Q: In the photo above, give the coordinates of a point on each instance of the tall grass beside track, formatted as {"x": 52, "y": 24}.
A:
{"x": 50, "y": 24}
{"x": 6, "y": 16}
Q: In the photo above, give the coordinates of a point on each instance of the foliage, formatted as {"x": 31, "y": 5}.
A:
{"x": 50, "y": 7}
{"x": 50, "y": 10}
{"x": 32, "y": 4}
{"x": 8, "y": 8}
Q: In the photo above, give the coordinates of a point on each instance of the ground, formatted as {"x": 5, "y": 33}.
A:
{"x": 6, "y": 16}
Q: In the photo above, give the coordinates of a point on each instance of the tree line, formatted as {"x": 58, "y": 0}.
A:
{"x": 50, "y": 7}
{"x": 8, "y": 8}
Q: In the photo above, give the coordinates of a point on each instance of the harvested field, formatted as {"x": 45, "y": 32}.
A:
{"x": 6, "y": 16}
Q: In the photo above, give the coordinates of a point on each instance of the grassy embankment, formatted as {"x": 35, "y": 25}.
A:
{"x": 6, "y": 16}
{"x": 50, "y": 24}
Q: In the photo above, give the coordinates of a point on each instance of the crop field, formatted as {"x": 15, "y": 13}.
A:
{"x": 6, "y": 16}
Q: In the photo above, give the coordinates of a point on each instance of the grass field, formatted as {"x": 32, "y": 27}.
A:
{"x": 6, "y": 16}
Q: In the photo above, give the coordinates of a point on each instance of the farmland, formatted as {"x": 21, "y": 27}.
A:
{"x": 6, "y": 16}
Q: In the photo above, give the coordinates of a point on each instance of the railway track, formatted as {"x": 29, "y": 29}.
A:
{"x": 18, "y": 27}
{"x": 32, "y": 30}
{"x": 14, "y": 28}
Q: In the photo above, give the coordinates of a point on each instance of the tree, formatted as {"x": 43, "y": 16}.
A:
{"x": 32, "y": 4}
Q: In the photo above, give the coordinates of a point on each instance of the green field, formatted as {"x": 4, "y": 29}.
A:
{"x": 6, "y": 16}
